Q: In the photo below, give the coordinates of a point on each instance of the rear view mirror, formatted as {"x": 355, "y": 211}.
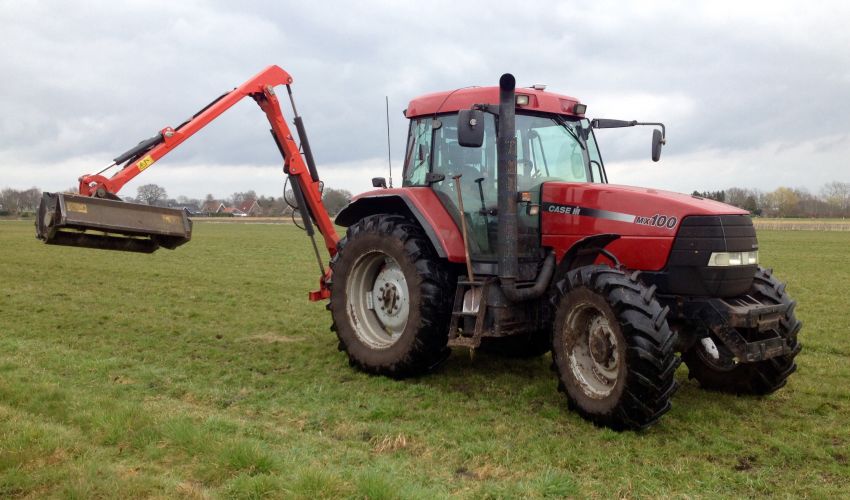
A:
{"x": 659, "y": 137}
{"x": 470, "y": 128}
{"x": 657, "y": 142}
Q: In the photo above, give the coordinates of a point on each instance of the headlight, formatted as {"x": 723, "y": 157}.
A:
{"x": 724, "y": 259}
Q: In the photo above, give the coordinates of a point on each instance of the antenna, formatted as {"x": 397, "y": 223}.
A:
{"x": 389, "y": 149}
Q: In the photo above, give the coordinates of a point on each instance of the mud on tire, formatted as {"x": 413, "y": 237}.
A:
{"x": 612, "y": 348}
{"x": 389, "y": 258}
{"x": 760, "y": 378}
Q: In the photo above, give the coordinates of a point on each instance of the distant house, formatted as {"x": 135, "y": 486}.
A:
{"x": 234, "y": 212}
{"x": 250, "y": 207}
{"x": 213, "y": 207}
{"x": 191, "y": 210}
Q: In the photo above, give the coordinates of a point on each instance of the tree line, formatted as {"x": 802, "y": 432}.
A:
{"x": 833, "y": 200}
{"x": 25, "y": 202}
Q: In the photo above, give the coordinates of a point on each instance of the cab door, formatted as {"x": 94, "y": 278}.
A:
{"x": 433, "y": 149}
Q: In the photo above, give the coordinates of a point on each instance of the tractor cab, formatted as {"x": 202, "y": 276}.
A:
{"x": 551, "y": 145}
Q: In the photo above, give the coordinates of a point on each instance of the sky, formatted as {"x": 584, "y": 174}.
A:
{"x": 753, "y": 94}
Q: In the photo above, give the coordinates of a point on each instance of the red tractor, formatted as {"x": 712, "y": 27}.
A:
{"x": 505, "y": 236}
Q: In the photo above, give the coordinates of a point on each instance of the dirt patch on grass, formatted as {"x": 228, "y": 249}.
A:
{"x": 389, "y": 444}
{"x": 482, "y": 472}
{"x": 191, "y": 489}
{"x": 273, "y": 338}
{"x": 745, "y": 463}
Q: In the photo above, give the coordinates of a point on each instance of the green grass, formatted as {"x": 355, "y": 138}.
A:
{"x": 205, "y": 371}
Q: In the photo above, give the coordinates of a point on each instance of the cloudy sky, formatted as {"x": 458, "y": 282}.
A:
{"x": 753, "y": 94}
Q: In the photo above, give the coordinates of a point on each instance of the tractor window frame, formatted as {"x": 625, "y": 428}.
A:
{"x": 414, "y": 139}
{"x": 593, "y": 143}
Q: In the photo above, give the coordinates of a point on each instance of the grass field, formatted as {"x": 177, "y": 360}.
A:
{"x": 205, "y": 371}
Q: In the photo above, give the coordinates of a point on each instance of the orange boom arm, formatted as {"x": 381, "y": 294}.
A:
{"x": 301, "y": 169}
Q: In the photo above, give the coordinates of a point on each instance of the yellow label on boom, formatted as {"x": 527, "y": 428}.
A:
{"x": 145, "y": 162}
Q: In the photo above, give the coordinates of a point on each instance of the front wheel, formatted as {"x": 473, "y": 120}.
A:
{"x": 390, "y": 297}
{"x": 612, "y": 348}
{"x": 719, "y": 371}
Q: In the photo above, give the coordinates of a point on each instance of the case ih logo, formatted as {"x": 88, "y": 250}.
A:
{"x": 657, "y": 220}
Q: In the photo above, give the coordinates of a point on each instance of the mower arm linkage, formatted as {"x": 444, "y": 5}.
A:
{"x": 302, "y": 173}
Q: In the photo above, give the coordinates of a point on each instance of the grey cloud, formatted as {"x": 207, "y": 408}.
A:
{"x": 92, "y": 79}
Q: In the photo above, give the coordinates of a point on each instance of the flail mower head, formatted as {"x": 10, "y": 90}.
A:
{"x": 83, "y": 221}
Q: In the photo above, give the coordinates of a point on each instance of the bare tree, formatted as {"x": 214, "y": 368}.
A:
{"x": 29, "y": 199}
{"x": 151, "y": 194}
{"x": 9, "y": 199}
{"x": 335, "y": 199}
{"x": 14, "y": 201}
{"x": 737, "y": 196}
{"x": 239, "y": 198}
{"x": 837, "y": 195}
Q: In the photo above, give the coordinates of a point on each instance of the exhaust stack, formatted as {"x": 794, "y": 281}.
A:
{"x": 507, "y": 232}
{"x": 506, "y": 175}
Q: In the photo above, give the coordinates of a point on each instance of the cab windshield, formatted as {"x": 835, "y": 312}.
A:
{"x": 548, "y": 149}
{"x": 554, "y": 149}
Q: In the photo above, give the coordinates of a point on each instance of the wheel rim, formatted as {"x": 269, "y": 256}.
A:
{"x": 378, "y": 299}
{"x": 726, "y": 360}
{"x": 593, "y": 350}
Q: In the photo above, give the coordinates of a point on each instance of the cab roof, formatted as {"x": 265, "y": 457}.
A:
{"x": 455, "y": 100}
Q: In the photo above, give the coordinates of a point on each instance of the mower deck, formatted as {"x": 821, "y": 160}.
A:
{"x": 83, "y": 221}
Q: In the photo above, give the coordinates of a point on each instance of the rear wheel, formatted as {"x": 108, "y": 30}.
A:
{"x": 390, "y": 297}
{"x": 720, "y": 372}
{"x": 612, "y": 348}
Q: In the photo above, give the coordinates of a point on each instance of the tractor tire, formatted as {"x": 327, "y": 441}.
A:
{"x": 612, "y": 348}
{"x": 391, "y": 298}
{"x": 523, "y": 346}
{"x": 759, "y": 378}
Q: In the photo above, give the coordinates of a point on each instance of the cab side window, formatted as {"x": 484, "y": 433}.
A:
{"x": 418, "y": 153}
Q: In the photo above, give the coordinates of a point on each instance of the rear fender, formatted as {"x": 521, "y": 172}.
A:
{"x": 429, "y": 213}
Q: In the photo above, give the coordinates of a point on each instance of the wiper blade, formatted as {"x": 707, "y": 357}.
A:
{"x": 564, "y": 124}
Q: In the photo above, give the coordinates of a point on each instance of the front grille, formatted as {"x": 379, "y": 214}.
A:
{"x": 687, "y": 271}
{"x": 699, "y": 235}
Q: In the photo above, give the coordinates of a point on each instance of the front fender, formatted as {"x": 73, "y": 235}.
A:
{"x": 584, "y": 252}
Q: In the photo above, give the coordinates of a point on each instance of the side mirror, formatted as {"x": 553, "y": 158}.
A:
{"x": 470, "y": 128}
{"x": 432, "y": 177}
{"x": 657, "y": 142}
{"x": 379, "y": 182}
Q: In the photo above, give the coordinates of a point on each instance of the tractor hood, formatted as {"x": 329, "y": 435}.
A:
{"x": 693, "y": 205}
{"x": 622, "y": 209}
{"x": 647, "y": 221}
